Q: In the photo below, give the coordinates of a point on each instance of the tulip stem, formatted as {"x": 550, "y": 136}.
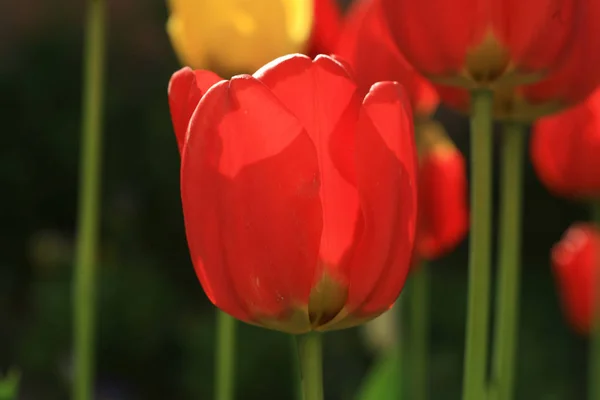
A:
{"x": 508, "y": 278}
{"x": 475, "y": 361}
{"x": 225, "y": 360}
{"x": 309, "y": 352}
{"x": 419, "y": 332}
{"x": 296, "y": 376}
{"x": 89, "y": 199}
{"x": 594, "y": 361}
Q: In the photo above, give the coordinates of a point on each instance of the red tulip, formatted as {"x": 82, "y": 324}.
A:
{"x": 443, "y": 220}
{"x": 471, "y": 43}
{"x": 366, "y": 44}
{"x": 557, "y": 86}
{"x": 565, "y": 150}
{"x": 578, "y": 75}
{"x": 299, "y": 195}
{"x": 326, "y": 27}
{"x": 575, "y": 264}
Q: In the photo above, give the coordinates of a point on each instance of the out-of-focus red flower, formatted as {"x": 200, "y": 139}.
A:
{"x": 577, "y": 76}
{"x": 565, "y": 150}
{"x": 327, "y": 23}
{"x": 575, "y": 261}
{"x": 477, "y": 42}
{"x": 366, "y": 44}
{"x": 538, "y": 62}
{"x": 289, "y": 227}
{"x": 443, "y": 220}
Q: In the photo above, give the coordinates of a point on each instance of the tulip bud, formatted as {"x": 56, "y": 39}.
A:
{"x": 443, "y": 220}
{"x": 565, "y": 150}
{"x": 575, "y": 261}
{"x": 299, "y": 195}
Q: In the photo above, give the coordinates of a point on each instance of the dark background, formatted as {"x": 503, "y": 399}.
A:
{"x": 155, "y": 326}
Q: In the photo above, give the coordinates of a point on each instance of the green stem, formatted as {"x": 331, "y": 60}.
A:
{"x": 89, "y": 199}
{"x": 509, "y": 261}
{"x": 225, "y": 361}
{"x": 296, "y": 376}
{"x": 594, "y": 361}
{"x": 475, "y": 361}
{"x": 401, "y": 344}
{"x": 419, "y": 332}
{"x": 309, "y": 352}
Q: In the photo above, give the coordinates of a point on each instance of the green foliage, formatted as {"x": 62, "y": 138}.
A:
{"x": 383, "y": 382}
{"x": 9, "y": 385}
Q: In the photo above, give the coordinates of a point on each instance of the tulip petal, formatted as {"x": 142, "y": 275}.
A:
{"x": 436, "y": 46}
{"x": 205, "y": 80}
{"x": 323, "y": 97}
{"x": 565, "y": 147}
{"x": 577, "y": 76}
{"x": 366, "y": 43}
{"x": 186, "y": 88}
{"x": 317, "y": 92}
{"x": 199, "y": 189}
{"x": 550, "y": 149}
{"x": 326, "y": 27}
{"x": 575, "y": 263}
{"x": 536, "y": 31}
{"x": 386, "y": 176}
{"x": 443, "y": 197}
{"x": 251, "y": 204}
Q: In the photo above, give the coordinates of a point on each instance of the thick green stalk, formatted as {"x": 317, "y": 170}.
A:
{"x": 594, "y": 362}
{"x": 89, "y": 199}
{"x": 509, "y": 262}
{"x": 309, "y": 352}
{"x": 475, "y": 361}
{"x": 419, "y": 332}
{"x": 296, "y": 376}
{"x": 225, "y": 360}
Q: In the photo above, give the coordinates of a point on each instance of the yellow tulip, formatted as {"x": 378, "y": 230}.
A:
{"x": 237, "y": 36}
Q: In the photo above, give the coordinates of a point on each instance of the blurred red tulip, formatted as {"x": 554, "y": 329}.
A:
{"x": 326, "y": 27}
{"x": 540, "y": 40}
{"x": 443, "y": 220}
{"x": 478, "y": 42}
{"x": 565, "y": 150}
{"x": 575, "y": 265}
{"x": 366, "y": 44}
{"x": 578, "y": 75}
{"x": 289, "y": 227}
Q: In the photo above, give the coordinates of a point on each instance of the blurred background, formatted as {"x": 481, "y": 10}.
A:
{"x": 155, "y": 325}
